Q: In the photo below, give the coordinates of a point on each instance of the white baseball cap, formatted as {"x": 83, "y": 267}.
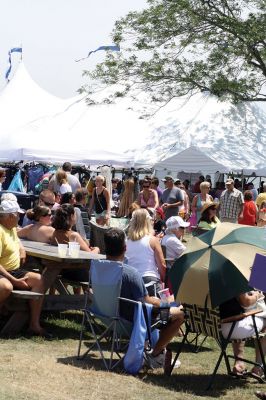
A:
{"x": 10, "y": 206}
{"x": 176, "y": 222}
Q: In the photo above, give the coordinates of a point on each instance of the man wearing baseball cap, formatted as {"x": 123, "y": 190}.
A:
{"x": 174, "y": 231}
{"x": 231, "y": 203}
{"x": 172, "y": 198}
{"x": 12, "y": 253}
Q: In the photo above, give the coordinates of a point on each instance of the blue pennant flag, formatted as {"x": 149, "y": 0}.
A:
{"x": 112, "y": 48}
{"x": 13, "y": 50}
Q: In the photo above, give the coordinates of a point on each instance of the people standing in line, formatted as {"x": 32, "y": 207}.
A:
{"x": 71, "y": 179}
{"x": 250, "y": 211}
{"x": 172, "y": 198}
{"x": 201, "y": 198}
{"x": 100, "y": 201}
{"x": 231, "y": 203}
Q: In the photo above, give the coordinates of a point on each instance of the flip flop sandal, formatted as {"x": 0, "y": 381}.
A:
{"x": 239, "y": 374}
{"x": 259, "y": 377}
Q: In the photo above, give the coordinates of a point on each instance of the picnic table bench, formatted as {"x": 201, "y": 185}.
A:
{"x": 52, "y": 265}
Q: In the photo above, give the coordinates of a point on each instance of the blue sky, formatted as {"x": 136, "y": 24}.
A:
{"x": 54, "y": 33}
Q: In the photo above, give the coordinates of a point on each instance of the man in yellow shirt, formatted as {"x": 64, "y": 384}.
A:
{"x": 12, "y": 254}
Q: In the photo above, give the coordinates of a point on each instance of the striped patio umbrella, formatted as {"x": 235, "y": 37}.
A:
{"x": 217, "y": 263}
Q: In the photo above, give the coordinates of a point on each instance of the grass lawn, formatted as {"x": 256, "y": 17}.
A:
{"x": 35, "y": 369}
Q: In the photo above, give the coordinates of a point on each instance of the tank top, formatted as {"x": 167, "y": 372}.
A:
{"x": 150, "y": 202}
{"x": 100, "y": 202}
{"x": 140, "y": 255}
{"x": 60, "y": 236}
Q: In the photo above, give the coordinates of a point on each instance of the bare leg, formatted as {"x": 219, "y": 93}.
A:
{"x": 171, "y": 330}
{"x": 5, "y": 290}
{"x": 238, "y": 349}
{"x": 35, "y": 282}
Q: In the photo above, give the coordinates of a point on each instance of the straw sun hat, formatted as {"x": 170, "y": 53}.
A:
{"x": 208, "y": 205}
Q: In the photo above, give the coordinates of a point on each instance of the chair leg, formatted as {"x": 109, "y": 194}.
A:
{"x": 178, "y": 353}
{"x": 224, "y": 344}
{"x": 81, "y": 333}
{"x": 259, "y": 344}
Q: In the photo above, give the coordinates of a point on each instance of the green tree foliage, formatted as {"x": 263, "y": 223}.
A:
{"x": 176, "y": 47}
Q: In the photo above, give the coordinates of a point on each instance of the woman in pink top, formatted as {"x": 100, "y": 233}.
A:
{"x": 148, "y": 198}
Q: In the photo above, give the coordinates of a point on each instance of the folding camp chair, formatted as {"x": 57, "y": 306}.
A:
{"x": 106, "y": 279}
{"x": 202, "y": 320}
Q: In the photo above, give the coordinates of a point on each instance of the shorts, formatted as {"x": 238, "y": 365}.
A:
{"x": 152, "y": 289}
{"x": 244, "y": 328}
{"x": 18, "y": 273}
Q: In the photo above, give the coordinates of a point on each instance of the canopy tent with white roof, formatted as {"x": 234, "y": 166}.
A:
{"x": 191, "y": 160}
{"x": 233, "y": 135}
{"x": 53, "y": 130}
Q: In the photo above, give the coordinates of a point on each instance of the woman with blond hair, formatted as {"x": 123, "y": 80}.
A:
{"x": 100, "y": 201}
{"x": 144, "y": 251}
{"x": 61, "y": 180}
{"x": 200, "y": 199}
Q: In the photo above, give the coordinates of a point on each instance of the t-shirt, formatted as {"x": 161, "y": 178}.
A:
{"x": 9, "y": 248}
{"x": 172, "y": 196}
{"x": 209, "y": 225}
{"x": 72, "y": 180}
{"x": 132, "y": 288}
{"x": 249, "y": 214}
{"x": 174, "y": 247}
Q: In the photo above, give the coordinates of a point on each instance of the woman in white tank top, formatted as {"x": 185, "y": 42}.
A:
{"x": 144, "y": 251}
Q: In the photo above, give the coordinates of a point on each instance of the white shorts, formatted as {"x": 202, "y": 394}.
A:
{"x": 244, "y": 328}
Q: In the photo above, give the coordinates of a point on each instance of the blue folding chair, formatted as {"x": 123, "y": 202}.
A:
{"x": 105, "y": 279}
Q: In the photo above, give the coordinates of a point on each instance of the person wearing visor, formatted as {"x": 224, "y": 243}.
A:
{"x": 12, "y": 256}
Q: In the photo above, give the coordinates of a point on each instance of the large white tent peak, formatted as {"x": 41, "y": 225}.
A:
{"x": 191, "y": 160}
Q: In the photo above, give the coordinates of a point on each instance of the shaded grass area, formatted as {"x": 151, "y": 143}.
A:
{"x": 38, "y": 369}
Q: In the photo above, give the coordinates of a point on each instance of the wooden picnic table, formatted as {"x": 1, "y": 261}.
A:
{"x": 52, "y": 265}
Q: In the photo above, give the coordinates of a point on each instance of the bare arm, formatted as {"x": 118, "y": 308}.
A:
{"x": 156, "y": 199}
{"x": 159, "y": 257}
{"x": 249, "y": 298}
{"x": 107, "y": 198}
{"x": 75, "y": 237}
{"x": 23, "y": 232}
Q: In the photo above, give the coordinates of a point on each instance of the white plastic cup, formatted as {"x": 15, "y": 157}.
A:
{"x": 62, "y": 250}
{"x": 74, "y": 249}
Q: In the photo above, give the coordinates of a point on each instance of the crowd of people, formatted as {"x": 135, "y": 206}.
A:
{"x": 158, "y": 219}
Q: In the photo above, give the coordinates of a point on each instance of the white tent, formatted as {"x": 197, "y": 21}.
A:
{"x": 233, "y": 135}
{"x": 191, "y": 160}
{"x": 45, "y": 128}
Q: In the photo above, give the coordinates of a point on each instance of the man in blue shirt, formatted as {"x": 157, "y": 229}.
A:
{"x": 133, "y": 288}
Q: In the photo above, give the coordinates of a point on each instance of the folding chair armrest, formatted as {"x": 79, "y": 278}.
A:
{"x": 239, "y": 317}
{"x": 129, "y": 300}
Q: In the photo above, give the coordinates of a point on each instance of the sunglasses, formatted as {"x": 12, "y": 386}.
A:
{"x": 48, "y": 215}
{"x": 146, "y": 186}
{"x": 48, "y": 204}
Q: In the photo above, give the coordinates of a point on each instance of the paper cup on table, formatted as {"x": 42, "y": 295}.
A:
{"x": 74, "y": 249}
{"x": 62, "y": 250}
